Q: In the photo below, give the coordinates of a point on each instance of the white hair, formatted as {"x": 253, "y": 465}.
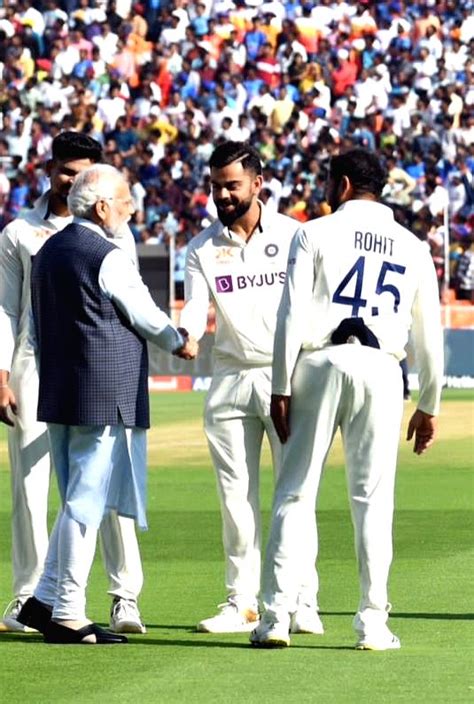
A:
{"x": 92, "y": 184}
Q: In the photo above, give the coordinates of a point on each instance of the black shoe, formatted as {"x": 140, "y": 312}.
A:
{"x": 56, "y": 633}
{"x": 35, "y": 614}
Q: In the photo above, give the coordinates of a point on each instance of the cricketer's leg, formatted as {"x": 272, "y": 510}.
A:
{"x": 315, "y": 396}
{"x": 235, "y": 432}
{"x": 30, "y": 464}
{"x": 371, "y": 429}
{"x": 309, "y": 587}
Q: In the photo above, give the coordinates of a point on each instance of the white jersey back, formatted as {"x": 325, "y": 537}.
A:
{"x": 357, "y": 262}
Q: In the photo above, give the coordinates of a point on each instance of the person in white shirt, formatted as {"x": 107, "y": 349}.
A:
{"x": 110, "y": 108}
{"x": 28, "y": 444}
{"x": 357, "y": 283}
{"x": 400, "y": 114}
{"x": 239, "y": 263}
{"x": 106, "y": 42}
{"x": 173, "y": 33}
{"x": 432, "y": 42}
{"x": 92, "y": 316}
{"x": 66, "y": 58}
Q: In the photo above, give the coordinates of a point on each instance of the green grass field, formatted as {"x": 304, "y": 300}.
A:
{"x": 431, "y": 589}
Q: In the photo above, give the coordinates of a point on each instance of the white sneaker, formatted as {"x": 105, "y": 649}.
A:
{"x": 125, "y": 617}
{"x": 230, "y": 619}
{"x": 306, "y": 620}
{"x": 380, "y": 640}
{"x": 271, "y": 634}
{"x": 9, "y": 622}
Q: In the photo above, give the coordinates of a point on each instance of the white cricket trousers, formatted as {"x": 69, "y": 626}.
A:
{"x": 359, "y": 390}
{"x": 237, "y": 414}
{"x": 30, "y": 465}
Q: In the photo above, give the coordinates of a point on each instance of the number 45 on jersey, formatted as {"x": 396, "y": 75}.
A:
{"x": 356, "y": 301}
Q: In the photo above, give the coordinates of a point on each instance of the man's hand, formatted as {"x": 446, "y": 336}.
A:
{"x": 280, "y": 413}
{"x": 424, "y": 427}
{"x": 7, "y": 400}
{"x": 190, "y": 348}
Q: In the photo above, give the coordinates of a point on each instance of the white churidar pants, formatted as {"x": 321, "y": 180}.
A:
{"x": 359, "y": 390}
{"x": 91, "y": 464}
{"x": 30, "y": 463}
{"x": 237, "y": 414}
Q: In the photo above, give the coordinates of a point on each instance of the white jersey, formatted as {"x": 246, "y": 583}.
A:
{"x": 244, "y": 280}
{"x": 19, "y": 242}
{"x": 359, "y": 262}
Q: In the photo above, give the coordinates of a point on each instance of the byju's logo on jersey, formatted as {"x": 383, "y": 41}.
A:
{"x": 224, "y": 284}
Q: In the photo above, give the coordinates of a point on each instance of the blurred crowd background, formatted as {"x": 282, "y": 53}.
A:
{"x": 159, "y": 83}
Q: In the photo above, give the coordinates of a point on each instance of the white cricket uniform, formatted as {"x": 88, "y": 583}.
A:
{"x": 357, "y": 262}
{"x": 28, "y": 441}
{"x": 244, "y": 282}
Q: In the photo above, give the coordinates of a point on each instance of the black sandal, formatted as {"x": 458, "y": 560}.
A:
{"x": 56, "y": 633}
{"x": 35, "y": 614}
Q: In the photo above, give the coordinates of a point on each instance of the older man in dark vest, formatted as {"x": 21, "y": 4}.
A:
{"x": 92, "y": 316}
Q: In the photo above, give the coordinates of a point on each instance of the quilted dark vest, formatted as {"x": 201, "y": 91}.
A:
{"x": 93, "y": 366}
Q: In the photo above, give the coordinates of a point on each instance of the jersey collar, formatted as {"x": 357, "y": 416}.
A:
{"x": 236, "y": 239}
{"x": 360, "y": 204}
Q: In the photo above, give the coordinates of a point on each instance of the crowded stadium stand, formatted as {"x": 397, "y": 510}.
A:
{"x": 159, "y": 83}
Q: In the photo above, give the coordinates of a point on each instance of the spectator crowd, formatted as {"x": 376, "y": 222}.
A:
{"x": 159, "y": 83}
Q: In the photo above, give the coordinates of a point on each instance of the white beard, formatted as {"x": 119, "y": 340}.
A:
{"x": 117, "y": 232}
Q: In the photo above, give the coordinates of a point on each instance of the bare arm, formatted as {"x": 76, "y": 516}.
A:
{"x": 423, "y": 427}
{"x": 280, "y": 413}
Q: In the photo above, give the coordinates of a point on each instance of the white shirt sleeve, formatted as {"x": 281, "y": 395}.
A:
{"x": 295, "y": 303}
{"x": 194, "y": 314}
{"x": 11, "y": 282}
{"x": 128, "y": 245}
{"x": 121, "y": 282}
{"x": 427, "y": 336}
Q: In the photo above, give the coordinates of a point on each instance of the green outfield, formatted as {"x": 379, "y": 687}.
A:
{"x": 431, "y": 589}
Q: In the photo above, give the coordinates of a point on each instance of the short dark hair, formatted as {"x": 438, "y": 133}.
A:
{"x": 363, "y": 169}
{"x": 229, "y": 151}
{"x": 76, "y": 145}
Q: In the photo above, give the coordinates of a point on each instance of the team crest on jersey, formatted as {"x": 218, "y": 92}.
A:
{"x": 271, "y": 250}
{"x": 224, "y": 254}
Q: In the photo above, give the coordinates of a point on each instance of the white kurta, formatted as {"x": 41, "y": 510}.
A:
{"x": 113, "y": 472}
{"x": 100, "y": 467}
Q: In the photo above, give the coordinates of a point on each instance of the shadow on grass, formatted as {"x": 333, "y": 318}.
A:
{"x": 212, "y": 643}
{"x": 20, "y": 637}
{"x": 422, "y": 615}
{"x": 31, "y": 639}
{"x": 440, "y": 617}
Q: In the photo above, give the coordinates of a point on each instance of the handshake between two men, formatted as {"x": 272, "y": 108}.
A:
{"x": 190, "y": 348}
